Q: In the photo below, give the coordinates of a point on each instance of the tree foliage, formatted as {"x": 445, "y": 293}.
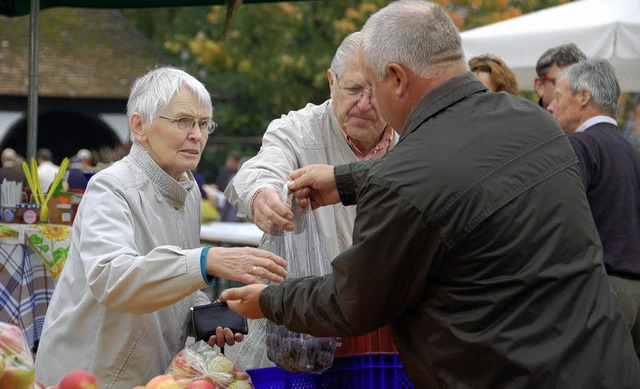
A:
{"x": 275, "y": 56}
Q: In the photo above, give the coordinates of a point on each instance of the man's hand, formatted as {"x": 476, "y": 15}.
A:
{"x": 245, "y": 300}
{"x": 270, "y": 214}
{"x": 245, "y": 264}
{"x": 315, "y": 182}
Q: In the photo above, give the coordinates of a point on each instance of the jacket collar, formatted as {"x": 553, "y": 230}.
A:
{"x": 167, "y": 185}
{"x": 441, "y": 97}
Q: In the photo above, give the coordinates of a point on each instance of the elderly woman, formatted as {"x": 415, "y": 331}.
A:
{"x": 494, "y": 74}
{"x": 121, "y": 306}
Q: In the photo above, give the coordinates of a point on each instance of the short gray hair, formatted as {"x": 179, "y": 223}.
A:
{"x": 151, "y": 92}
{"x": 347, "y": 50}
{"x": 416, "y": 34}
{"x": 597, "y": 76}
{"x": 563, "y": 55}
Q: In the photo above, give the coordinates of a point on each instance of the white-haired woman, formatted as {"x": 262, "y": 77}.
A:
{"x": 120, "y": 308}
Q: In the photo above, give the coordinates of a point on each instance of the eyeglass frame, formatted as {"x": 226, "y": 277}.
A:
{"x": 547, "y": 78}
{"x": 350, "y": 98}
{"x": 210, "y": 128}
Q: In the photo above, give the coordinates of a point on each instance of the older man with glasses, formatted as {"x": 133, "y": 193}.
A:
{"x": 346, "y": 128}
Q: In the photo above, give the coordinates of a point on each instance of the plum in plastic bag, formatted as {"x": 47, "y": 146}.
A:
{"x": 303, "y": 250}
{"x": 299, "y": 353}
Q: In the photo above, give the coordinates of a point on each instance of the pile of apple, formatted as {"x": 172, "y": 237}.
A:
{"x": 16, "y": 363}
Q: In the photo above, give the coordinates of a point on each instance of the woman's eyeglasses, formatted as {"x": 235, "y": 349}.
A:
{"x": 186, "y": 123}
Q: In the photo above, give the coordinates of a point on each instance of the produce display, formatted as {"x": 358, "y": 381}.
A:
{"x": 16, "y": 363}
{"x": 297, "y": 352}
{"x": 197, "y": 366}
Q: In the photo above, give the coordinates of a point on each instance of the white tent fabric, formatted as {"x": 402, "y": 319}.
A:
{"x": 607, "y": 29}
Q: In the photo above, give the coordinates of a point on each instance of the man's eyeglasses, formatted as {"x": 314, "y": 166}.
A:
{"x": 354, "y": 92}
{"x": 186, "y": 123}
{"x": 550, "y": 79}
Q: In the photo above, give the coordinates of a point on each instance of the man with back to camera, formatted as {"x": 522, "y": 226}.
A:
{"x": 585, "y": 105}
{"x": 473, "y": 236}
{"x": 549, "y": 64}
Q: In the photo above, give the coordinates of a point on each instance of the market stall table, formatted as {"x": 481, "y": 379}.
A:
{"x": 31, "y": 258}
{"x": 237, "y": 234}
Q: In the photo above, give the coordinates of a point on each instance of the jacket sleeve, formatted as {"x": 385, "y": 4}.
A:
{"x": 383, "y": 274}
{"x": 121, "y": 274}
{"x": 278, "y": 156}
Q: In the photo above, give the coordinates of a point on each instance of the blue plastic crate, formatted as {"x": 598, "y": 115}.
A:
{"x": 368, "y": 371}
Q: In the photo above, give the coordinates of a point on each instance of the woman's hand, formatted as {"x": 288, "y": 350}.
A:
{"x": 245, "y": 264}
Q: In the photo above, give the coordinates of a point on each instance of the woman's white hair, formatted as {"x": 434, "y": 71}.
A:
{"x": 151, "y": 93}
{"x": 416, "y": 34}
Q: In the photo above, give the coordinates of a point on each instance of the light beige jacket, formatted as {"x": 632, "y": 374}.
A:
{"x": 120, "y": 308}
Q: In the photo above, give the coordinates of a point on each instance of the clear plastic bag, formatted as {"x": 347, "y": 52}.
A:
{"x": 293, "y": 351}
{"x": 199, "y": 361}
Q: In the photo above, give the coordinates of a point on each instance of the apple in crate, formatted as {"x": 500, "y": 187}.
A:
{"x": 78, "y": 379}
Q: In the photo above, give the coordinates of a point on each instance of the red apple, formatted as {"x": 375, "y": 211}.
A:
{"x": 183, "y": 366}
{"x": 12, "y": 340}
{"x": 164, "y": 381}
{"x": 200, "y": 384}
{"x": 78, "y": 379}
{"x": 39, "y": 385}
{"x": 17, "y": 377}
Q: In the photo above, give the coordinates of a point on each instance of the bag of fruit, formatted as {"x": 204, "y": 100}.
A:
{"x": 293, "y": 351}
{"x": 16, "y": 362}
{"x": 201, "y": 362}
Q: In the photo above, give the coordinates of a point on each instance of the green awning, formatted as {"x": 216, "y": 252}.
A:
{"x": 22, "y": 7}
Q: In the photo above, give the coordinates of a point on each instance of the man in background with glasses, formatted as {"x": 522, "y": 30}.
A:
{"x": 346, "y": 128}
{"x": 549, "y": 64}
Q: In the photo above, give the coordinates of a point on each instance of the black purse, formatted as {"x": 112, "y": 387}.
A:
{"x": 206, "y": 318}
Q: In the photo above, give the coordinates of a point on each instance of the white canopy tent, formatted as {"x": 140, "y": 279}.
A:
{"x": 607, "y": 29}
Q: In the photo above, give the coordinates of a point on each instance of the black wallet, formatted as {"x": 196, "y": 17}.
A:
{"x": 206, "y": 318}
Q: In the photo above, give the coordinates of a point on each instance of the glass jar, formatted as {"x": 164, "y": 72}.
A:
{"x": 9, "y": 213}
{"x": 28, "y": 213}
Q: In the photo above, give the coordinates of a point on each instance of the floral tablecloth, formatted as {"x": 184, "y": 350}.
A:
{"x": 31, "y": 258}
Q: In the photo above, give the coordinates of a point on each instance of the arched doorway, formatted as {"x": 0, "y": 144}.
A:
{"x": 64, "y": 133}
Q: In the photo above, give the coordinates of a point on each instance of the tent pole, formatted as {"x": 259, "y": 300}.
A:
{"x": 32, "y": 111}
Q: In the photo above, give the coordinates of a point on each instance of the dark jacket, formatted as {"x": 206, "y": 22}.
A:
{"x": 611, "y": 173}
{"x": 475, "y": 241}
